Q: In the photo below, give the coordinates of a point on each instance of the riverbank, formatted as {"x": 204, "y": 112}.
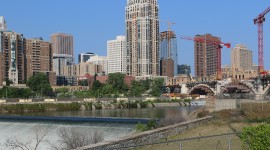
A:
{"x": 25, "y": 106}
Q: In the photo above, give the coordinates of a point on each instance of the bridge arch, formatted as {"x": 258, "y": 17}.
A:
{"x": 202, "y": 89}
{"x": 238, "y": 87}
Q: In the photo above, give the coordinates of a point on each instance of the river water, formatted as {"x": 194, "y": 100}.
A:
{"x": 24, "y": 131}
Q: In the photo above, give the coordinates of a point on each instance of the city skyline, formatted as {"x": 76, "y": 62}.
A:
{"x": 233, "y": 22}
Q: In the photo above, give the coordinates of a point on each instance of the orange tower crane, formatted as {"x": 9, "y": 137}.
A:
{"x": 219, "y": 44}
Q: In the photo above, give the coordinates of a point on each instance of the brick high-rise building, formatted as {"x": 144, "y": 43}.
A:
{"x": 62, "y": 44}
{"x": 39, "y": 58}
{"x": 205, "y": 56}
{"x": 142, "y": 28}
{"x": 12, "y": 58}
{"x": 167, "y": 67}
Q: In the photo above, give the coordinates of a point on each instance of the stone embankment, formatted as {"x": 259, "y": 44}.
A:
{"x": 149, "y": 136}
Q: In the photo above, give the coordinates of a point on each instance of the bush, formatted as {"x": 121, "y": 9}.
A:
{"x": 256, "y": 137}
{"x": 202, "y": 114}
{"x": 152, "y": 124}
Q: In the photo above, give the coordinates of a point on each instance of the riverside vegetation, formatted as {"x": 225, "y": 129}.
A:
{"x": 251, "y": 120}
{"x": 115, "y": 86}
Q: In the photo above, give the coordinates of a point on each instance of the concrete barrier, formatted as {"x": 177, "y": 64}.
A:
{"x": 3, "y": 101}
{"x": 25, "y": 100}
{"x": 89, "y": 100}
{"x": 150, "y": 98}
{"x": 122, "y": 99}
{"x": 50, "y": 100}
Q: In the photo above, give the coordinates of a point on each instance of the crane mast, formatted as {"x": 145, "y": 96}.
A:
{"x": 259, "y": 21}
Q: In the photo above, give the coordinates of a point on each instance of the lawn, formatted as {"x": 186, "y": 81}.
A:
{"x": 226, "y": 121}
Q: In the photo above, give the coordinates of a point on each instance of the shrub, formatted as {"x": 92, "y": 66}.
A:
{"x": 256, "y": 137}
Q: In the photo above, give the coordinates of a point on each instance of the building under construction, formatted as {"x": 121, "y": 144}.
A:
{"x": 168, "y": 53}
{"x": 206, "y": 56}
{"x": 142, "y": 28}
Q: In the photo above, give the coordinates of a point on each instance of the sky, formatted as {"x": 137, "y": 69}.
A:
{"x": 94, "y": 22}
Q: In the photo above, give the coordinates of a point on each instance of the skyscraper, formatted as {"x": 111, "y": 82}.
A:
{"x": 142, "y": 28}
{"x": 63, "y": 54}
{"x": 39, "y": 58}
{"x": 3, "y": 24}
{"x": 21, "y": 58}
{"x": 12, "y": 57}
{"x": 62, "y": 44}
{"x": 205, "y": 56}
{"x": 241, "y": 58}
{"x": 168, "y": 49}
{"x": 117, "y": 55}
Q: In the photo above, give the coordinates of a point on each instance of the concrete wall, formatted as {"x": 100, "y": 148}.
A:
{"x": 148, "y": 136}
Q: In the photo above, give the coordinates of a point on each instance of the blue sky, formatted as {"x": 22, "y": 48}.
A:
{"x": 93, "y": 22}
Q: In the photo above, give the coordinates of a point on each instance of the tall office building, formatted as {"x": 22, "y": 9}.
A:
{"x": 59, "y": 61}
{"x": 142, "y": 28}
{"x": 39, "y": 58}
{"x": 3, "y": 24}
{"x": 12, "y": 58}
{"x": 62, "y": 44}
{"x": 205, "y": 56}
{"x": 241, "y": 58}
{"x": 117, "y": 55}
{"x": 63, "y": 53}
{"x": 84, "y": 57}
{"x": 168, "y": 50}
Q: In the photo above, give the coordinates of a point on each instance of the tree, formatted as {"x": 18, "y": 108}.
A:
{"x": 8, "y": 82}
{"x": 72, "y": 138}
{"x": 107, "y": 89}
{"x": 117, "y": 82}
{"x": 145, "y": 84}
{"x": 96, "y": 85}
{"x": 156, "y": 87}
{"x": 83, "y": 82}
{"x": 256, "y": 137}
{"x": 39, "y": 83}
{"x": 15, "y": 143}
{"x": 136, "y": 89}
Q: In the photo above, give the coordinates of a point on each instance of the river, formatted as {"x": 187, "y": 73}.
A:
{"x": 24, "y": 130}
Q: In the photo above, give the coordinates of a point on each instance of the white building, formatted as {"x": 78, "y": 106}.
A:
{"x": 3, "y": 24}
{"x": 117, "y": 55}
{"x": 241, "y": 58}
{"x": 100, "y": 60}
{"x": 142, "y": 28}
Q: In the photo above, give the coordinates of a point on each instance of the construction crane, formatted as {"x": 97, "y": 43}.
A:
{"x": 220, "y": 46}
{"x": 259, "y": 21}
{"x": 169, "y": 35}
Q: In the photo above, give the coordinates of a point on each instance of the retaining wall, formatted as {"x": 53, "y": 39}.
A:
{"x": 148, "y": 136}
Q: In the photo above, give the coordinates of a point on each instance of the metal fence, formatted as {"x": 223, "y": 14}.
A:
{"x": 228, "y": 141}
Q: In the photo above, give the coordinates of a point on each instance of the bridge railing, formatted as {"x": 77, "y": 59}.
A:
{"x": 235, "y": 96}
